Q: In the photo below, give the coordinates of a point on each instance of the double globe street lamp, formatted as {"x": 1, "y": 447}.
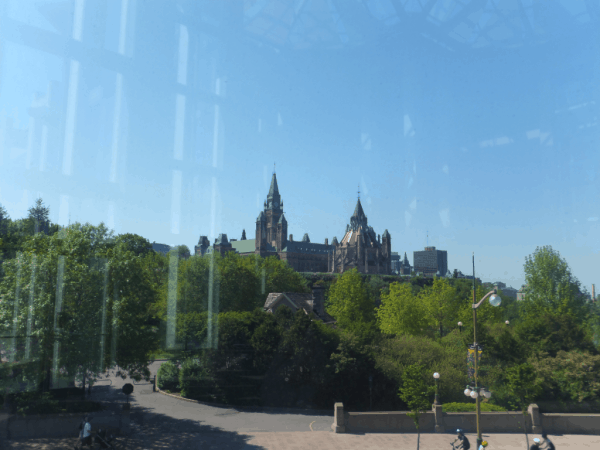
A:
{"x": 476, "y": 391}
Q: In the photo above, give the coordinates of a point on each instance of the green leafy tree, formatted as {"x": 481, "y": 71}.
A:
{"x": 376, "y": 286}
{"x": 354, "y": 361}
{"x": 182, "y": 251}
{"x": 401, "y": 312}
{"x": 240, "y": 284}
{"x": 137, "y": 244}
{"x": 300, "y": 371}
{"x": 79, "y": 305}
{"x": 572, "y": 376}
{"x": 446, "y": 357}
{"x": 441, "y": 304}
{"x": 523, "y": 386}
{"x": 551, "y": 332}
{"x": 551, "y": 287}
{"x": 351, "y": 305}
{"x": 278, "y": 276}
{"x": 416, "y": 393}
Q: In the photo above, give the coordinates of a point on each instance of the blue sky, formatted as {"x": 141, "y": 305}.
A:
{"x": 166, "y": 121}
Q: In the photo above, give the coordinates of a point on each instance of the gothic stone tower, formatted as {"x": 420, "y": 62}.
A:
{"x": 361, "y": 248}
{"x": 271, "y": 225}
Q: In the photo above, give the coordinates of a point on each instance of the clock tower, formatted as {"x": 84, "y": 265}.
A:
{"x": 275, "y": 231}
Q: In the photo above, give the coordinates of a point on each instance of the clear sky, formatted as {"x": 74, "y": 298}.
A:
{"x": 471, "y": 126}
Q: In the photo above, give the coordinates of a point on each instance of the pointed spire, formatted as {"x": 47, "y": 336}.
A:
{"x": 273, "y": 190}
{"x": 243, "y": 235}
{"x": 359, "y": 218}
{"x": 358, "y": 211}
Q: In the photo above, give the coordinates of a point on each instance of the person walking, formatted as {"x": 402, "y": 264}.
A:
{"x": 85, "y": 435}
{"x": 548, "y": 442}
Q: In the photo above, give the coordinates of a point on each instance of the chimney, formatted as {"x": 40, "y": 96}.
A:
{"x": 326, "y": 241}
{"x": 291, "y": 238}
{"x": 318, "y": 300}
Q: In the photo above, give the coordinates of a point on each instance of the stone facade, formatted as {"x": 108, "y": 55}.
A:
{"x": 360, "y": 248}
{"x": 405, "y": 268}
{"x": 271, "y": 238}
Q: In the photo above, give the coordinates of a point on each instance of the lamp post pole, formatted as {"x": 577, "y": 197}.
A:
{"x": 437, "y": 398}
{"x": 370, "y": 392}
{"x": 494, "y": 301}
{"x": 476, "y": 349}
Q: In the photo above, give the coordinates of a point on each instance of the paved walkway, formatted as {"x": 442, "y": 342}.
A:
{"x": 297, "y": 440}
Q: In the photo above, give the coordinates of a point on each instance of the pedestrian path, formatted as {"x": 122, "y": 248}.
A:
{"x": 322, "y": 440}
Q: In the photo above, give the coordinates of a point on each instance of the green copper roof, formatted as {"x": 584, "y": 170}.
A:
{"x": 245, "y": 246}
{"x": 282, "y": 219}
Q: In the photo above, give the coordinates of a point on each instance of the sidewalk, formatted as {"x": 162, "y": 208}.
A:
{"x": 321, "y": 440}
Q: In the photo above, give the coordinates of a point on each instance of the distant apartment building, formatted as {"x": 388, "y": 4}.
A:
{"x": 431, "y": 262}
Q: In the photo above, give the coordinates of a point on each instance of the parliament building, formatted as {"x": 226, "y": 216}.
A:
{"x": 360, "y": 247}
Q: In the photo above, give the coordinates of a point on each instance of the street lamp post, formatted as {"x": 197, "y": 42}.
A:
{"x": 507, "y": 322}
{"x": 437, "y": 398}
{"x": 460, "y": 326}
{"x": 495, "y": 300}
{"x": 370, "y": 392}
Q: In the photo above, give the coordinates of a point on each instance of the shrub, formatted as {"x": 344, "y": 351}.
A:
{"x": 168, "y": 376}
{"x": 194, "y": 379}
{"x": 468, "y": 407}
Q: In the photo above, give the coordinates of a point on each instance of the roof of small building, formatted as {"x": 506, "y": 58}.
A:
{"x": 297, "y": 301}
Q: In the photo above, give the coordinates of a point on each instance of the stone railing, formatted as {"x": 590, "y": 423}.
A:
{"x": 438, "y": 421}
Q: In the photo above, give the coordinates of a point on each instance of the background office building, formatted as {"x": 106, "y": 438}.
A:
{"x": 431, "y": 261}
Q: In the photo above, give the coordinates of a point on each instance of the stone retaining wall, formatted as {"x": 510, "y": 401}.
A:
{"x": 490, "y": 422}
{"x": 60, "y": 425}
